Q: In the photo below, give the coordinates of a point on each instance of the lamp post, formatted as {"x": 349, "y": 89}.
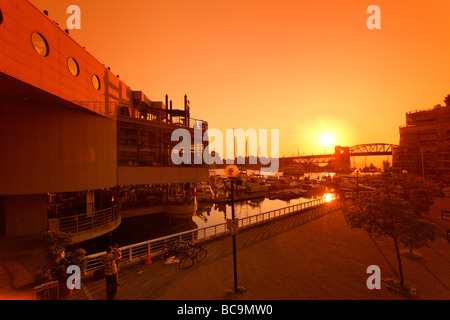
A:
{"x": 231, "y": 171}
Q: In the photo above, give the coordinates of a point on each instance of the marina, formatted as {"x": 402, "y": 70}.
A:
{"x": 92, "y": 162}
{"x": 207, "y": 212}
{"x": 138, "y": 250}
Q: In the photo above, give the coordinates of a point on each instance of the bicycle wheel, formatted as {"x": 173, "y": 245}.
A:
{"x": 170, "y": 256}
{"x": 201, "y": 254}
{"x": 186, "y": 262}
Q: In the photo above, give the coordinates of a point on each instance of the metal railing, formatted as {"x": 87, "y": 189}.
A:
{"x": 156, "y": 246}
{"x": 108, "y": 109}
{"x": 88, "y": 220}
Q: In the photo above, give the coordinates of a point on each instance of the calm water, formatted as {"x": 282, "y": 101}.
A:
{"x": 143, "y": 228}
{"x": 210, "y": 214}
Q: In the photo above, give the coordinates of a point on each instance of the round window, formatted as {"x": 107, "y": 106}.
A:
{"x": 39, "y": 44}
{"x": 1, "y": 16}
{"x": 95, "y": 82}
{"x": 73, "y": 66}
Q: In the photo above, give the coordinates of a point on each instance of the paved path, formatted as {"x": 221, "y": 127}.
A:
{"x": 311, "y": 255}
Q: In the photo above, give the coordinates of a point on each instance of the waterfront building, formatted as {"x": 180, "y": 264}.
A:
{"x": 80, "y": 149}
{"x": 424, "y": 146}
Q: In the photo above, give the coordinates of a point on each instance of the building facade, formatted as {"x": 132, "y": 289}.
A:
{"x": 424, "y": 146}
{"x": 77, "y": 143}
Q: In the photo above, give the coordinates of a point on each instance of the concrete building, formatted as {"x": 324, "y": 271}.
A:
{"x": 76, "y": 143}
{"x": 424, "y": 147}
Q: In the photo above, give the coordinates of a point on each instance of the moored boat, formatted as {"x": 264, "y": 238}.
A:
{"x": 204, "y": 193}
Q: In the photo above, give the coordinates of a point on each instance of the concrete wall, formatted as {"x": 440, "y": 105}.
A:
{"x": 158, "y": 175}
{"x": 48, "y": 148}
{"x": 25, "y": 215}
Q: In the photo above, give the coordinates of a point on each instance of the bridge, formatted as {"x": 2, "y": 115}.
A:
{"x": 340, "y": 159}
{"x": 372, "y": 149}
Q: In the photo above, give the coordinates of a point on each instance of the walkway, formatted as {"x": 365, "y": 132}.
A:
{"x": 311, "y": 255}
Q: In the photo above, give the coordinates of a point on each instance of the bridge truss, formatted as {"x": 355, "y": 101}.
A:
{"x": 369, "y": 149}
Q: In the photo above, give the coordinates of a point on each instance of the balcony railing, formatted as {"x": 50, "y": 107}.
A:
{"x": 86, "y": 221}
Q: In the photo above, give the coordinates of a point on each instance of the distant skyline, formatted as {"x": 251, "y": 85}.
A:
{"x": 307, "y": 68}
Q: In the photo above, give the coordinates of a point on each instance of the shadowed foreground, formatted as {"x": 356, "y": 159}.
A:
{"x": 312, "y": 255}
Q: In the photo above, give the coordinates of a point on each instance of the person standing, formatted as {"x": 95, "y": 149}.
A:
{"x": 116, "y": 248}
{"x": 109, "y": 262}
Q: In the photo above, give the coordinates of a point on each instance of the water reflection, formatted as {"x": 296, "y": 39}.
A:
{"x": 209, "y": 214}
{"x": 142, "y": 228}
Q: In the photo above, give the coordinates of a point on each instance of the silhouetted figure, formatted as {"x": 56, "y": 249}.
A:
{"x": 109, "y": 261}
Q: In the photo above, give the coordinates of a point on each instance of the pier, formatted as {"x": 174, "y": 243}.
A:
{"x": 310, "y": 255}
{"x": 139, "y": 251}
{"x": 210, "y": 278}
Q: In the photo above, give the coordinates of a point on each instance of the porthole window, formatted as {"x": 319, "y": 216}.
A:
{"x": 1, "y": 16}
{"x": 73, "y": 66}
{"x": 39, "y": 44}
{"x": 95, "y": 82}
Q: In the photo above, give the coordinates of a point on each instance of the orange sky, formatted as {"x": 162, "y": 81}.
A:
{"x": 303, "y": 67}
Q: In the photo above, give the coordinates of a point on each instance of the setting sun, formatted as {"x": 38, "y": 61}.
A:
{"x": 327, "y": 139}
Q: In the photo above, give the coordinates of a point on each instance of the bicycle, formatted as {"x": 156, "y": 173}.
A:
{"x": 185, "y": 252}
{"x": 192, "y": 251}
{"x": 198, "y": 251}
{"x": 186, "y": 261}
{"x": 173, "y": 250}
{"x": 180, "y": 250}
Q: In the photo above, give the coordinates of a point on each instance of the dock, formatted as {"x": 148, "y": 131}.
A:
{"x": 310, "y": 255}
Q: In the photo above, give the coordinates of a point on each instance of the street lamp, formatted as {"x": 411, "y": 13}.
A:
{"x": 232, "y": 172}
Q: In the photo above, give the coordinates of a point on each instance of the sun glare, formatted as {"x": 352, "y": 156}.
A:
{"x": 327, "y": 139}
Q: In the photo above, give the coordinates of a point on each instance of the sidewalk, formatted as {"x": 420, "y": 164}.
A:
{"x": 312, "y": 255}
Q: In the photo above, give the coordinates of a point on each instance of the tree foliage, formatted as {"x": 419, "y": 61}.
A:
{"x": 447, "y": 100}
{"x": 54, "y": 244}
{"x": 415, "y": 190}
{"x": 386, "y": 166}
{"x": 395, "y": 210}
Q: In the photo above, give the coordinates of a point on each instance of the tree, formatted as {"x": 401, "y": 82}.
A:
{"x": 447, "y": 100}
{"x": 419, "y": 195}
{"x": 54, "y": 245}
{"x": 381, "y": 215}
{"x": 386, "y": 166}
{"x": 418, "y": 232}
{"x": 416, "y": 190}
{"x": 395, "y": 210}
